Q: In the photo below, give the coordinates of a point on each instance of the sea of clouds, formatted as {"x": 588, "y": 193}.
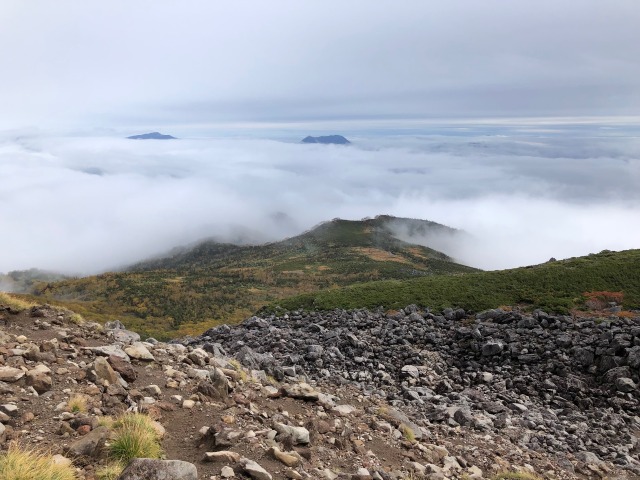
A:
{"x": 88, "y": 204}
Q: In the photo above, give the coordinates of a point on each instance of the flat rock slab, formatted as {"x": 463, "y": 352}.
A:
{"x": 301, "y": 391}
{"x": 108, "y": 350}
{"x": 124, "y": 336}
{"x": 138, "y": 351}
{"x": 299, "y": 435}
{"x": 223, "y": 456}
{"x": 254, "y": 470}
{"x": 151, "y": 469}
{"x": 10, "y": 374}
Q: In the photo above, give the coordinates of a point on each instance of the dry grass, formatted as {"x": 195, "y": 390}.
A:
{"x": 380, "y": 255}
{"x": 77, "y": 319}
{"x": 77, "y": 404}
{"x": 14, "y": 302}
{"x": 135, "y": 437}
{"x": 242, "y": 374}
{"x": 407, "y": 432}
{"x": 110, "y": 471}
{"x": 515, "y": 476}
{"x": 106, "y": 421}
{"x": 19, "y": 463}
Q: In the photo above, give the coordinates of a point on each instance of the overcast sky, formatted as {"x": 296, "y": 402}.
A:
{"x": 78, "y": 64}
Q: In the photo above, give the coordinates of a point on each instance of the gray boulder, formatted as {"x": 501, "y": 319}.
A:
{"x": 492, "y": 347}
{"x": 151, "y": 469}
{"x": 90, "y": 445}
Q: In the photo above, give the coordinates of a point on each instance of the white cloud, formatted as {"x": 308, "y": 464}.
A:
{"x": 89, "y": 204}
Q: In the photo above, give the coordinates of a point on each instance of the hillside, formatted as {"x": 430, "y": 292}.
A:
{"x": 557, "y": 286}
{"x": 195, "y": 288}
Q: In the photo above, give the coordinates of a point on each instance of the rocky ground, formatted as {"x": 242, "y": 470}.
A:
{"x": 354, "y": 395}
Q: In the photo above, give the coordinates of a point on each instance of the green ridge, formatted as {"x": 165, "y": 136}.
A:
{"x": 554, "y": 286}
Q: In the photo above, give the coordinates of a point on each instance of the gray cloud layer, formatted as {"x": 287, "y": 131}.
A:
{"x": 85, "y": 64}
{"x": 91, "y": 203}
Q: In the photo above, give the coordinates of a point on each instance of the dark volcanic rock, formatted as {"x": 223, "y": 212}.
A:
{"x": 564, "y": 383}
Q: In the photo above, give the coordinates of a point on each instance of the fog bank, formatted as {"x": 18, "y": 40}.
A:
{"x": 89, "y": 204}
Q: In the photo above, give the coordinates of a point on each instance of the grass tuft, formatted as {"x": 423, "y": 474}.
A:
{"x": 19, "y": 463}
{"x": 110, "y": 471}
{"x": 515, "y": 476}
{"x": 407, "y": 432}
{"x": 106, "y": 421}
{"x": 77, "y": 404}
{"x": 242, "y": 374}
{"x": 77, "y": 319}
{"x": 135, "y": 437}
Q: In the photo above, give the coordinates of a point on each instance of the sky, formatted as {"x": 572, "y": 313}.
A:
{"x": 515, "y": 121}
{"x": 74, "y": 64}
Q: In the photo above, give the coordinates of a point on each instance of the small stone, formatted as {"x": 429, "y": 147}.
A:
{"x": 153, "y": 390}
{"x": 9, "y": 409}
{"x": 626, "y": 385}
{"x": 492, "y": 348}
{"x": 363, "y": 474}
{"x": 223, "y": 456}
{"x": 289, "y": 459}
{"x": 301, "y": 391}
{"x": 344, "y": 410}
{"x": 28, "y": 417}
{"x": 588, "y": 458}
{"x": 189, "y": 404}
{"x": 83, "y": 429}
{"x": 41, "y": 382}
{"x": 299, "y": 435}
{"x": 108, "y": 350}
{"x": 410, "y": 371}
{"x": 292, "y": 474}
{"x": 123, "y": 367}
{"x": 474, "y": 472}
{"x": 61, "y": 460}
{"x": 254, "y": 470}
{"x": 138, "y": 351}
{"x": 104, "y": 372}
{"x": 227, "y": 472}
{"x": 89, "y": 445}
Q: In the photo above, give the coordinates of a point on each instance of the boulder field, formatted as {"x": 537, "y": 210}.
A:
{"x": 333, "y": 395}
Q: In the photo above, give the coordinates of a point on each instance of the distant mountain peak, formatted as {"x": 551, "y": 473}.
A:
{"x": 328, "y": 139}
{"x": 152, "y": 136}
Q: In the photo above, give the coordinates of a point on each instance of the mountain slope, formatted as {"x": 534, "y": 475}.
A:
{"x": 195, "y": 288}
{"x": 555, "y": 286}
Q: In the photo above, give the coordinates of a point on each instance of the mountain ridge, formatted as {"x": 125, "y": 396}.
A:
{"x": 151, "y": 136}
{"x": 214, "y": 282}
